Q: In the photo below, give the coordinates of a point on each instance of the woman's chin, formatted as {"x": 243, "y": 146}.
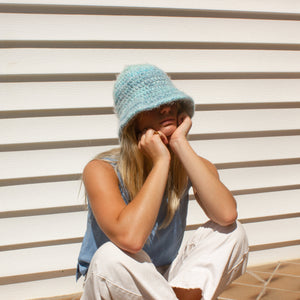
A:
{"x": 168, "y": 130}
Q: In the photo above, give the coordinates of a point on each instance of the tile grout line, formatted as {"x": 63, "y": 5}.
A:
{"x": 265, "y": 272}
{"x": 258, "y": 286}
{"x": 247, "y": 284}
{"x": 288, "y": 275}
{"x": 256, "y": 276}
{"x": 267, "y": 282}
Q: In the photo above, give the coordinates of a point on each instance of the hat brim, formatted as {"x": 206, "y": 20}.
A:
{"x": 173, "y": 95}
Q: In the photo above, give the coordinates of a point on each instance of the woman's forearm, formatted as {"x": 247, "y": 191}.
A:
{"x": 140, "y": 214}
{"x": 216, "y": 200}
{"x": 126, "y": 225}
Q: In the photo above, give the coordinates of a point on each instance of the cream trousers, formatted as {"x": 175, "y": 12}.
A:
{"x": 210, "y": 260}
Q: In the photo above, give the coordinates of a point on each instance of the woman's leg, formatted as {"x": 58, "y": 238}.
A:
{"x": 211, "y": 260}
{"x": 188, "y": 294}
{"x": 116, "y": 274}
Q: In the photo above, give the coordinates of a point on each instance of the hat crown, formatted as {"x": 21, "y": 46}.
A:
{"x": 140, "y": 80}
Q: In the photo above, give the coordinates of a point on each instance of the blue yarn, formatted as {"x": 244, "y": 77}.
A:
{"x": 145, "y": 87}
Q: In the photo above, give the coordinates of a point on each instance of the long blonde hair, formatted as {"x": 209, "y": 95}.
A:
{"x": 134, "y": 168}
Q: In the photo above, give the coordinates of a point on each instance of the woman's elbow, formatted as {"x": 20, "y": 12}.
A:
{"x": 134, "y": 248}
{"x": 131, "y": 244}
{"x": 228, "y": 218}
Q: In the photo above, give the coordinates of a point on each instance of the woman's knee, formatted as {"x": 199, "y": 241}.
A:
{"x": 110, "y": 258}
{"x": 234, "y": 232}
{"x": 238, "y": 242}
{"x": 233, "y": 236}
{"x": 105, "y": 259}
{"x": 239, "y": 236}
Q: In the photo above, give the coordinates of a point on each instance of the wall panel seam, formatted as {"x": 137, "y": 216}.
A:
{"x": 144, "y": 11}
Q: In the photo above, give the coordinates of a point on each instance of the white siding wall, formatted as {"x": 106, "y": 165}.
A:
{"x": 58, "y": 60}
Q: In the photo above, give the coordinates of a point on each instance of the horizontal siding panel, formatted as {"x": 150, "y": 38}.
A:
{"x": 90, "y": 94}
{"x": 260, "y": 177}
{"x": 39, "y": 259}
{"x": 103, "y": 61}
{"x": 37, "y": 163}
{"x": 245, "y": 150}
{"x": 41, "y": 196}
{"x": 33, "y": 163}
{"x": 50, "y": 129}
{"x": 33, "y": 229}
{"x": 270, "y": 205}
{"x": 59, "y": 95}
{"x": 274, "y": 255}
{"x": 41, "y": 288}
{"x": 273, "y": 231}
{"x": 196, "y": 215}
{"x": 287, "y": 6}
{"x": 241, "y": 91}
{"x": 123, "y": 28}
{"x": 52, "y": 258}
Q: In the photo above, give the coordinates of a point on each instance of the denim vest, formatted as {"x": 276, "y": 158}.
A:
{"x": 162, "y": 245}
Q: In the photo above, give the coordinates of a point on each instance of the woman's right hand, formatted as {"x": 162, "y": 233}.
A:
{"x": 153, "y": 144}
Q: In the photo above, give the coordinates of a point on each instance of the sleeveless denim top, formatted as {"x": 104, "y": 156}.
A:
{"x": 162, "y": 245}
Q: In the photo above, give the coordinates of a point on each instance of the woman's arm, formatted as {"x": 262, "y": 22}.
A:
{"x": 215, "y": 199}
{"x": 128, "y": 226}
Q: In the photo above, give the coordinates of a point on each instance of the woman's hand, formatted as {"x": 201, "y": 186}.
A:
{"x": 153, "y": 144}
{"x": 184, "y": 126}
{"x": 215, "y": 199}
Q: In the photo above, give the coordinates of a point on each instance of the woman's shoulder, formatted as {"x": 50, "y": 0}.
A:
{"x": 98, "y": 164}
{"x": 105, "y": 160}
{"x": 99, "y": 170}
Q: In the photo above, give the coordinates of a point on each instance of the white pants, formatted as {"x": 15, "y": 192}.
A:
{"x": 211, "y": 259}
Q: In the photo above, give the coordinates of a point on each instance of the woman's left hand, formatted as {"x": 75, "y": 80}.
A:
{"x": 184, "y": 126}
{"x": 215, "y": 199}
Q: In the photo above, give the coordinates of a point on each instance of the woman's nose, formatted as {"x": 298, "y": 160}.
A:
{"x": 165, "y": 109}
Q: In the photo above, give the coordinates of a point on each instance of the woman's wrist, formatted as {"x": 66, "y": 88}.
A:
{"x": 162, "y": 162}
{"x": 177, "y": 144}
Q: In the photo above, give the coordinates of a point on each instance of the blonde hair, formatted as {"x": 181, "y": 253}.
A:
{"x": 134, "y": 168}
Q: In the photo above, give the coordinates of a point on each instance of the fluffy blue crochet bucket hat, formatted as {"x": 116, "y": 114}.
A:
{"x": 145, "y": 87}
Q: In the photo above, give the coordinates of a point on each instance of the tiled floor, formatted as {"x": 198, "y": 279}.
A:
{"x": 280, "y": 281}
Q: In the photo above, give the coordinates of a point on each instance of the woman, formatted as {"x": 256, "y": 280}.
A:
{"x": 138, "y": 198}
